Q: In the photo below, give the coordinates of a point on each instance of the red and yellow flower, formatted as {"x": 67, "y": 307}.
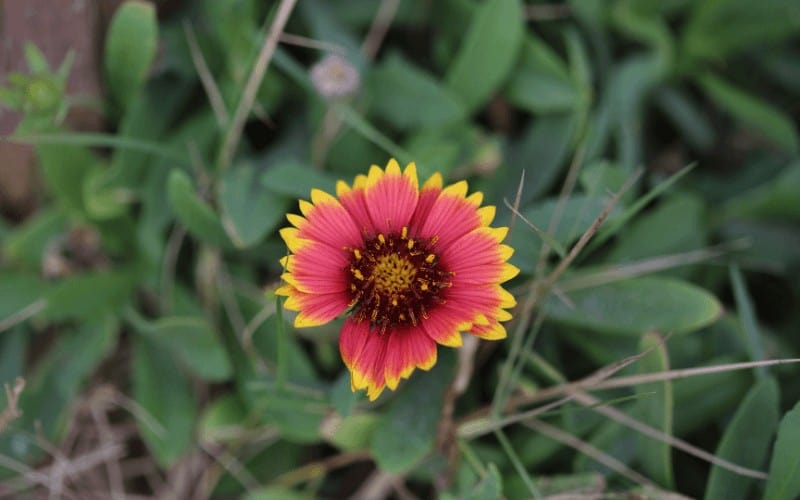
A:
{"x": 413, "y": 267}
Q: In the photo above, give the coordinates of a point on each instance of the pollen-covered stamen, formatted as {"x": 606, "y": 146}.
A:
{"x": 396, "y": 280}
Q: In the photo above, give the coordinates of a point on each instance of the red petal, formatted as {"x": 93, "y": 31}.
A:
{"x": 476, "y": 258}
{"x": 319, "y": 268}
{"x": 450, "y": 217}
{"x": 427, "y": 195}
{"x": 391, "y": 198}
{"x": 356, "y": 204}
{"x": 364, "y": 352}
{"x": 315, "y": 309}
{"x": 445, "y": 326}
{"x": 408, "y": 348}
{"x": 327, "y": 221}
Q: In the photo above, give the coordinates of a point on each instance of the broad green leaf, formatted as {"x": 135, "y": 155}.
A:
{"x": 772, "y": 123}
{"x": 541, "y": 82}
{"x": 249, "y": 211}
{"x": 746, "y": 441}
{"x": 167, "y": 396}
{"x": 407, "y": 431}
{"x": 717, "y": 29}
{"x": 297, "y": 414}
{"x": 577, "y": 215}
{"x": 18, "y": 291}
{"x": 131, "y": 46}
{"x": 192, "y": 341}
{"x": 601, "y": 177}
{"x": 784, "y": 468}
{"x": 541, "y": 152}
{"x": 638, "y": 305}
{"x": 64, "y": 169}
{"x": 222, "y": 419}
{"x": 13, "y": 345}
{"x": 690, "y": 118}
{"x": 407, "y": 97}
{"x": 198, "y": 217}
{"x": 705, "y": 399}
{"x": 487, "y": 54}
{"x": 775, "y": 198}
{"x": 352, "y": 432}
{"x": 296, "y": 180}
{"x": 85, "y": 296}
{"x": 655, "y": 408}
{"x": 54, "y": 385}
{"x": 676, "y": 225}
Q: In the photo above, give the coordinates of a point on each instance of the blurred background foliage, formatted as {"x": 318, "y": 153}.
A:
{"x": 133, "y": 304}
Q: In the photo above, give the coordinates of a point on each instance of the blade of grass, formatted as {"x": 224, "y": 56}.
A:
{"x": 363, "y": 127}
{"x": 517, "y": 463}
{"x": 747, "y": 319}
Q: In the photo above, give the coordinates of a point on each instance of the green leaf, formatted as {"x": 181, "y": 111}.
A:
{"x": 90, "y": 294}
{"x": 577, "y": 215}
{"x": 131, "y": 46}
{"x": 772, "y": 123}
{"x": 656, "y": 411}
{"x": 18, "y": 291}
{"x": 776, "y": 198}
{"x": 64, "y": 169}
{"x": 352, "y": 432}
{"x": 407, "y": 97}
{"x": 249, "y": 211}
{"x": 488, "y": 488}
{"x": 192, "y": 341}
{"x": 746, "y": 441}
{"x": 165, "y": 393}
{"x": 487, "y": 54}
{"x": 541, "y": 152}
{"x": 717, "y": 29}
{"x": 676, "y": 225}
{"x": 784, "y": 468}
{"x": 298, "y": 413}
{"x": 748, "y": 322}
{"x": 540, "y": 82}
{"x": 407, "y": 431}
{"x": 638, "y": 305}
{"x": 222, "y": 419}
{"x": 199, "y": 218}
{"x": 296, "y": 180}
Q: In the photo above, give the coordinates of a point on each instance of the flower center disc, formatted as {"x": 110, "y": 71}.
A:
{"x": 396, "y": 280}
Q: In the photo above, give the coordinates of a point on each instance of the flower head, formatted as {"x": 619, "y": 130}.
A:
{"x": 335, "y": 77}
{"x": 413, "y": 267}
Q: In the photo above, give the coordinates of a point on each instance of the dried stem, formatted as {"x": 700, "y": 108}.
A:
{"x": 253, "y": 82}
{"x": 12, "y": 411}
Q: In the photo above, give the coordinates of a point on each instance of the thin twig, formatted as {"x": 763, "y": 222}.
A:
{"x": 621, "y": 417}
{"x": 587, "y": 235}
{"x": 587, "y": 449}
{"x": 253, "y": 82}
{"x": 23, "y": 314}
{"x": 310, "y": 43}
{"x": 12, "y": 411}
{"x": 379, "y": 27}
{"x": 515, "y": 207}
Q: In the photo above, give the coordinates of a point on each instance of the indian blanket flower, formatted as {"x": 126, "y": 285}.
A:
{"x": 412, "y": 267}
